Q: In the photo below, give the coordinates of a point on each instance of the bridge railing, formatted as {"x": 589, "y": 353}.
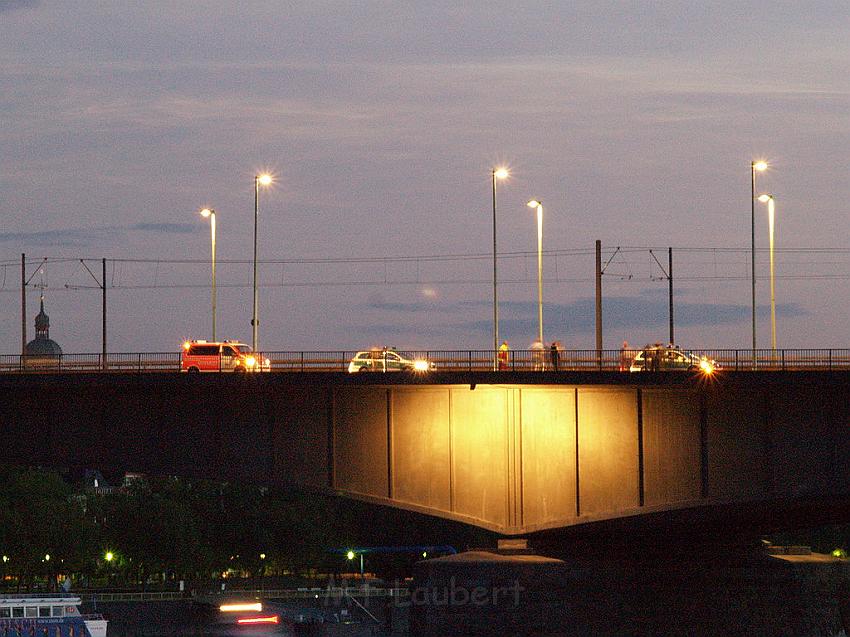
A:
{"x": 778, "y": 360}
{"x": 115, "y": 362}
{"x": 442, "y": 360}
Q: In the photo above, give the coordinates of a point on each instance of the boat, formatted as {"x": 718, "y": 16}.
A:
{"x": 50, "y": 615}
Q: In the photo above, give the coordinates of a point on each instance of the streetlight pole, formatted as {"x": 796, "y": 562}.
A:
{"x": 496, "y": 173}
{"x": 259, "y": 180}
{"x": 770, "y": 201}
{"x": 755, "y": 166}
{"x": 534, "y": 203}
{"x": 210, "y": 213}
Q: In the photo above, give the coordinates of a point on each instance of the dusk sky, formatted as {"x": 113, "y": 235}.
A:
{"x": 634, "y": 123}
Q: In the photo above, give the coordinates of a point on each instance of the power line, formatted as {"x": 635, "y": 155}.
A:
{"x": 441, "y": 282}
{"x": 622, "y": 257}
{"x": 445, "y": 257}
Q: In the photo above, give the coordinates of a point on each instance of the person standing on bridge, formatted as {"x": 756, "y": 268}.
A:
{"x": 538, "y": 355}
{"x": 503, "y": 355}
{"x": 626, "y": 357}
{"x": 555, "y": 354}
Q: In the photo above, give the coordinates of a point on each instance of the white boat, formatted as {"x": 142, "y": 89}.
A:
{"x": 52, "y": 615}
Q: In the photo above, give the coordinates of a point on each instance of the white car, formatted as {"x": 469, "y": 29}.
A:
{"x": 387, "y": 360}
{"x": 665, "y": 359}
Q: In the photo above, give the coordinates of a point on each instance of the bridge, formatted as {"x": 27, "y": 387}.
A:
{"x": 513, "y": 452}
{"x": 443, "y": 360}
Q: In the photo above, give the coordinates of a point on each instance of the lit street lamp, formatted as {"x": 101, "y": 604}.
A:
{"x": 210, "y": 213}
{"x": 497, "y": 173}
{"x": 770, "y": 200}
{"x": 259, "y": 180}
{"x": 755, "y": 166}
{"x": 534, "y": 203}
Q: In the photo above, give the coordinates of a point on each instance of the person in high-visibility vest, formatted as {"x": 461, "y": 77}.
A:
{"x": 503, "y": 355}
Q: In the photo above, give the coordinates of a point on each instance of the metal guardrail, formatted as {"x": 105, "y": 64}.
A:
{"x": 443, "y": 360}
{"x": 335, "y": 592}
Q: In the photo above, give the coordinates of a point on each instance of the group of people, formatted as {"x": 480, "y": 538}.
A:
{"x": 538, "y": 356}
{"x": 653, "y": 356}
{"x": 549, "y": 358}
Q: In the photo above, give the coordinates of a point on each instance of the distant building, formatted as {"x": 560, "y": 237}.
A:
{"x": 42, "y": 346}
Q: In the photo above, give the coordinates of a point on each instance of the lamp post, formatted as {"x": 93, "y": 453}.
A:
{"x": 496, "y": 173}
{"x": 259, "y": 180}
{"x": 755, "y": 166}
{"x": 534, "y": 203}
{"x": 770, "y": 200}
{"x": 210, "y": 213}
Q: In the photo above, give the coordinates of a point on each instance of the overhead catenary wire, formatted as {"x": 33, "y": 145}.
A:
{"x": 718, "y": 258}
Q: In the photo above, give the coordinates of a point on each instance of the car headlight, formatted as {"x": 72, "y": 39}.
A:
{"x": 250, "y": 361}
{"x": 706, "y": 366}
{"x": 421, "y": 366}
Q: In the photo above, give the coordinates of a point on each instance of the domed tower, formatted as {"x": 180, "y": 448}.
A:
{"x": 42, "y": 346}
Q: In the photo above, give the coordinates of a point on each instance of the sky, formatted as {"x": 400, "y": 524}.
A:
{"x": 633, "y": 122}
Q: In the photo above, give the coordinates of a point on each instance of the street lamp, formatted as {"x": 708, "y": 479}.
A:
{"x": 496, "y": 173}
{"x": 755, "y": 166}
{"x": 770, "y": 200}
{"x": 534, "y": 203}
{"x": 259, "y": 180}
{"x": 210, "y": 213}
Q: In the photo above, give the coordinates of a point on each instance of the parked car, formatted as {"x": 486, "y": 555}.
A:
{"x": 220, "y": 356}
{"x": 661, "y": 358}
{"x": 387, "y": 360}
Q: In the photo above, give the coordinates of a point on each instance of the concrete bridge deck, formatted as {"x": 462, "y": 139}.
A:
{"x": 513, "y": 452}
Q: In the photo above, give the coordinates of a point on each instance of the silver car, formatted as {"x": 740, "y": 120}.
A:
{"x": 387, "y": 360}
{"x": 664, "y": 359}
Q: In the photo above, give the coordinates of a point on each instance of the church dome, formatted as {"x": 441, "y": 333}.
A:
{"x": 42, "y": 346}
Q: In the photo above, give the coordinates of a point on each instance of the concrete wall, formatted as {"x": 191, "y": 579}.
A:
{"x": 671, "y": 446}
{"x": 607, "y": 451}
{"x": 509, "y": 456}
{"x": 548, "y": 420}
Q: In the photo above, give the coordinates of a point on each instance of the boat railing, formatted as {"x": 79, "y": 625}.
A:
{"x": 40, "y": 597}
{"x": 133, "y": 596}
